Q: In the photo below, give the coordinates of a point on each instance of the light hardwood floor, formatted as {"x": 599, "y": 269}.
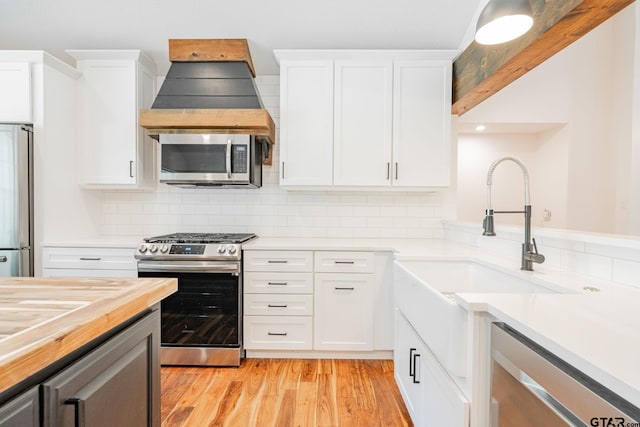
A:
{"x": 284, "y": 392}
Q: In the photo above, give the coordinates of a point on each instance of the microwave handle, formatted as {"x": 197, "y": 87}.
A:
{"x": 229, "y": 158}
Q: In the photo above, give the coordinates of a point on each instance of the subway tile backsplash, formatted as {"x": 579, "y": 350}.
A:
{"x": 271, "y": 211}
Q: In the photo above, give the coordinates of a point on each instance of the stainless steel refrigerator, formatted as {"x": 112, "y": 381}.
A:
{"x": 16, "y": 200}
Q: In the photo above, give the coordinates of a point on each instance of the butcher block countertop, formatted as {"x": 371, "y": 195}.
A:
{"x": 44, "y": 319}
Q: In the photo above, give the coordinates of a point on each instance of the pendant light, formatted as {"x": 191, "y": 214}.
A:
{"x": 503, "y": 20}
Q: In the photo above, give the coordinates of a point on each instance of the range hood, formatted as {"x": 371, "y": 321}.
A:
{"x": 210, "y": 89}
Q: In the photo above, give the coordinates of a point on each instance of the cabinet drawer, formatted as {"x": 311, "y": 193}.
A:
{"x": 79, "y": 272}
{"x": 278, "y": 332}
{"x": 278, "y": 305}
{"x": 89, "y": 258}
{"x": 278, "y": 283}
{"x": 297, "y": 261}
{"x": 343, "y": 262}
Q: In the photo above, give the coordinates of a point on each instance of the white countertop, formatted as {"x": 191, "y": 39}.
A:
{"x": 406, "y": 247}
{"x": 596, "y": 333}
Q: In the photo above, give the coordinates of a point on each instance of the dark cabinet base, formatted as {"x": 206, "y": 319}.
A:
{"x": 117, "y": 383}
{"x": 23, "y": 411}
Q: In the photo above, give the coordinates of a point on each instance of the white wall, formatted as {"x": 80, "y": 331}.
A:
{"x": 580, "y": 171}
{"x": 545, "y": 156}
{"x": 622, "y": 114}
{"x": 634, "y": 190}
{"x": 270, "y": 211}
{"x": 476, "y": 152}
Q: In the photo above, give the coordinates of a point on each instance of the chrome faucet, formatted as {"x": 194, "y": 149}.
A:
{"x": 529, "y": 251}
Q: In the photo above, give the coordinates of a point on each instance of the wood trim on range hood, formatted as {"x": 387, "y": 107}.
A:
{"x": 187, "y": 120}
{"x": 253, "y": 121}
{"x": 200, "y": 50}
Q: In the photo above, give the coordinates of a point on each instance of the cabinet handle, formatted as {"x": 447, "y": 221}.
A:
{"x": 277, "y": 261}
{"x": 388, "y": 170}
{"x": 411, "y": 370}
{"x": 396, "y": 171}
{"x": 82, "y": 258}
{"x": 78, "y": 410}
{"x": 282, "y": 170}
{"x": 343, "y": 289}
{"x": 344, "y": 262}
{"x": 277, "y": 305}
{"x": 3, "y": 259}
{"x": 131, "y": 168}
{"x": 277, "y": 334}
{"x": 415, "y": 372}
{"x": 277, "y": 283}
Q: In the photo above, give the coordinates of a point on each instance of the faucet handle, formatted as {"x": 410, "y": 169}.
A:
{"x": 535, "y": 247}
{"x": 535, "y": 256}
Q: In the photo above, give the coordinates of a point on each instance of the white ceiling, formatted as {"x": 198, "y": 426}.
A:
{"x": 268, "y": 24}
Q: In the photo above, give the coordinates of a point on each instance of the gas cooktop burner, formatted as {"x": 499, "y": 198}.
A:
{"x": 201, "y": 238}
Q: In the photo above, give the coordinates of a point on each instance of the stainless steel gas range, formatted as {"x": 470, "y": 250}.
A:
{"x": 202, "y": 321}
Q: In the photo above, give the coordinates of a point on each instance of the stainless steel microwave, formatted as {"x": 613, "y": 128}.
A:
{"x": 210, "y": 160}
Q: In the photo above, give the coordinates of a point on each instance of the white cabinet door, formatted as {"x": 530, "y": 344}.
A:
{"x": 111, "y": 91}
{"x": 306, "y": 122}
{"x": 444, "y": 403}
{"x": 343, "y": 311}
{"x": 431, "y": 396}
{"x": 405, "y": 355}
{"x": 362, "y": 129}
{"x": 421, "y": 123}
{"x": 15, "y": 90}
{"x": 106, "y": 90}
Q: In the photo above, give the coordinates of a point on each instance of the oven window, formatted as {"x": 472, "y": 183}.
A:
{"x": 194, "y": 158}
{"x": 203, "y": 312}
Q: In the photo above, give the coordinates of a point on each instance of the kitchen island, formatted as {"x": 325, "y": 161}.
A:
{"x": 83, "y": 337}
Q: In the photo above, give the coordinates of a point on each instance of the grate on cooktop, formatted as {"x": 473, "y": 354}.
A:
{"x": 201, "y": 238}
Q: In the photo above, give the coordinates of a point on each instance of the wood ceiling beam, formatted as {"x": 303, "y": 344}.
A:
{"x": 480, "y": 71}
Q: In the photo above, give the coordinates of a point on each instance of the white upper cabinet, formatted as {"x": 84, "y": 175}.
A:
{"x": 421, "y": 123}
{"x": 113, "y": 149}
{"x": 389, "y": 113}
{"x": 306, "y": 122}
{"x": 362, "y": 132}
{"x": 15, "y": 87}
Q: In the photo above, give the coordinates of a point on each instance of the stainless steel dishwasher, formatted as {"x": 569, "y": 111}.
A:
{"x": 532, "y": 387}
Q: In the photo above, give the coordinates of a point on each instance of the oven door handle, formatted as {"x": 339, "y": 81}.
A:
{"x": 189, "y": 267}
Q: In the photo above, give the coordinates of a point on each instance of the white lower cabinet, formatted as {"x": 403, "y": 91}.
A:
{"x": 278, "y": 332}
{"x": 88, "y": 261}
{"x": 431, "y": 396}
{"x": 278, "y": 300}
{"x": 278, "y": 305}
{"x": 317, "y": 300}
{"x": 343, "y": 312}
{"x": 343, "y": 300}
